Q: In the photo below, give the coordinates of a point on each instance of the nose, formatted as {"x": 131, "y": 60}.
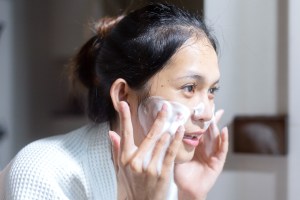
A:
{"x": 204, "y": 111}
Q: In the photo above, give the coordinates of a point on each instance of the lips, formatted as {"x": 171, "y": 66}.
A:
{"x": 192, "y": 139}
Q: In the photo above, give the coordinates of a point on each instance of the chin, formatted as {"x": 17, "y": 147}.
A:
{"x": 184, "y": 154}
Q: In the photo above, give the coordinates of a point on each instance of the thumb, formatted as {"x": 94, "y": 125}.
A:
{"x": 115, "y": 140}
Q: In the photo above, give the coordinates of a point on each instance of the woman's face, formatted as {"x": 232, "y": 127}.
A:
{"x": 190, "y": 77}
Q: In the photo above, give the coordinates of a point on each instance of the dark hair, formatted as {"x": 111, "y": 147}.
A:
{"x": 133, "y": 47}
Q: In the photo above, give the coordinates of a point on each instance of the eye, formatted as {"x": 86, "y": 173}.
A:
{"x": 213, "y": 90}
{"x": 189, "y": 88}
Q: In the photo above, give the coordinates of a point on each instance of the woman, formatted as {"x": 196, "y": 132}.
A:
{"x": 159, "y": 52}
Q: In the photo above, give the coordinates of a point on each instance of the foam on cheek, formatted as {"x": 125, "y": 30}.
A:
{"x": 177, "y": 114}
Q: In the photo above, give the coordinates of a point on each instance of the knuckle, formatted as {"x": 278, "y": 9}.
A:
{"x": 151, "y": 171}
{"x": 156, "y": 128}
{"x": 164, "y": 139}
{"x": 135, "y": 165}
{"x": 160, "y": 143}
{"x": 165, "y": 176}
{"x": 123, "y": 160}
{"x": 150, "y": 136}
{"x": 171, "y": 152}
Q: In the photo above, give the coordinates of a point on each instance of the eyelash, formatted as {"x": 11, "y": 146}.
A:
{"x": 213, "y": 90}
{"x": 191, "y": 87}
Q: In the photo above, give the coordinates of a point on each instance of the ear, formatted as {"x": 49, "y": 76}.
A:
{"x": 119, "y": 92}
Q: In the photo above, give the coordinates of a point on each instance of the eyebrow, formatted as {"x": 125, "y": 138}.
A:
{"x": 197, "y": 77}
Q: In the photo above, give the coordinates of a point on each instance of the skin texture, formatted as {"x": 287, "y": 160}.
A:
{"x": 191, "y": 76}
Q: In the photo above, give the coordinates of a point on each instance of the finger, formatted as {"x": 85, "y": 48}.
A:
{"x": 218, "y": 115}
{"x": 211, "y": 140}
{"x": 158, "y": 124}
{"x": 213, "y": 130}
{"x": 154, "y": 133}
{"x": 171, "y": 153}
{"x": 223, "y": 149}
{"x": 155, "y": 165}
{"x": 127, "y": 142}
{"x": 115, "y": 140}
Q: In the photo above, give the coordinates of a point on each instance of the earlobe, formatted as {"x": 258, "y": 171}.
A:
{"x": 118, "y": 92}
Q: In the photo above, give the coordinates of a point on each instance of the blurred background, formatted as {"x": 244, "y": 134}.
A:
{"x": 259, "y": 62}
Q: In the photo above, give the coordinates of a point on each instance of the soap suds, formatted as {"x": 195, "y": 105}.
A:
{"x": 177, "y": 115}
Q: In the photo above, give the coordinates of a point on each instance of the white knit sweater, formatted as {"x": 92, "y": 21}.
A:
{"x": 77, "y": 165}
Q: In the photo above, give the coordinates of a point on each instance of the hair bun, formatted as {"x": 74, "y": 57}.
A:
{"x": 106, "y": 24}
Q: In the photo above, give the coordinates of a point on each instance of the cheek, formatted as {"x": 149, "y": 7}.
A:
{"x": 136, "y": 127}
{"x": 161, "y": 87}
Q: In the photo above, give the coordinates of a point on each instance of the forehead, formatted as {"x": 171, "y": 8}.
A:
{"x": 195, "y": 57}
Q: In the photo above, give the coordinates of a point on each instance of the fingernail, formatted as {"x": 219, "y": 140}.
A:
{"x": 164, "y": 107}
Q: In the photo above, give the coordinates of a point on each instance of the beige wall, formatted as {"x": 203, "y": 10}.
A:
{"x": 255, "y": 68}
{"x": 294, "y": 99}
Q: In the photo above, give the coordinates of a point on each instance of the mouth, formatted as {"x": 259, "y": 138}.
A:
{"x": 192, "y": 139}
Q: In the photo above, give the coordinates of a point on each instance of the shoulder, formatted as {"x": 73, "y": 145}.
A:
{"x": 50, "y": 151}
{"x": 52, "y": 164}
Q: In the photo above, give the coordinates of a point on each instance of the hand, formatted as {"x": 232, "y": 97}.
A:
{"x": 134, "y": 180}
{"x": 195, "y": 178}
